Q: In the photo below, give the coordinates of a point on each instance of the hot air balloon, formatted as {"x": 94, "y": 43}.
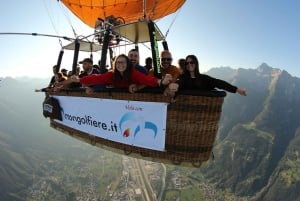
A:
{"x": 146, "y": 124}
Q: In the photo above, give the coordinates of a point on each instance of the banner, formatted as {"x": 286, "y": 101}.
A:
{"x": 142, "y": 124}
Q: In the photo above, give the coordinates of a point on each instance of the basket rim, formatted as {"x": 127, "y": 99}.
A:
{"x": 210, "y": 93}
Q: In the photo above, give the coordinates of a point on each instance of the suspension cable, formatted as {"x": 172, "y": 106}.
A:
{"x": 51, "y": 18}
{"x": 172, "y": 23}
{"x": 68, "y": 19}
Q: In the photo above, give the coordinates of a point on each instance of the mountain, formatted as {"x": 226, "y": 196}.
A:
{"x": 256, "y": 150}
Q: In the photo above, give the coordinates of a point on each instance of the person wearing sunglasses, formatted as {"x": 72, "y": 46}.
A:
{"x": 192, "y": 79}
{"x": 166, "y": 66}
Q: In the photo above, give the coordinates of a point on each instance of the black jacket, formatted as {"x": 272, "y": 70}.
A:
{"x": 204, "y": 82}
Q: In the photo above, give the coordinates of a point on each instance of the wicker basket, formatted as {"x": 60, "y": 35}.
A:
{"x": 192, "y": 125}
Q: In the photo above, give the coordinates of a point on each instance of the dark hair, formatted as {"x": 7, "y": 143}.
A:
{"x": 148, "y": 59}
{"x": 181, "y": 63}
{"x": 117, "y": 75}
{"x": 195, "y": 60}
{"x": 181, "y": 60}
{"x": 134, "y": 50}
{"x": 96, "y": 66}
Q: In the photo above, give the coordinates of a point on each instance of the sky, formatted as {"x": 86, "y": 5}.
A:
{"x": 233, "y": 33}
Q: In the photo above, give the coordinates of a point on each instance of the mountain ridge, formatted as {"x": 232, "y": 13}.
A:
{"x": 279, "y": 94}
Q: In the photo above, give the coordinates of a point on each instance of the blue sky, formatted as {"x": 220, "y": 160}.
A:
{"x": 234, "y": 33}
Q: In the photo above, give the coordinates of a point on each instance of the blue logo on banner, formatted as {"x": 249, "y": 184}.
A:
{"x": 130, "y": 116}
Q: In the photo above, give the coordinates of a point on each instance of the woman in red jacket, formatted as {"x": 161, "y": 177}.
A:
{"x": 123, "y": 76}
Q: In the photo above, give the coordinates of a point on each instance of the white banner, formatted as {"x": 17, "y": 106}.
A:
{"x": 137, "y": 123}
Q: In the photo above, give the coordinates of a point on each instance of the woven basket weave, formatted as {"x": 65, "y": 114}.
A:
{"x": 192, "y": 125}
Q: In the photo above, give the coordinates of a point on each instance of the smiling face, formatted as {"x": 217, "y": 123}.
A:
{"x": 134, "y": 57}
{"x": 166, "y": 59}
{"x": 192, "y": 65}
{"x": 121, "y": 64}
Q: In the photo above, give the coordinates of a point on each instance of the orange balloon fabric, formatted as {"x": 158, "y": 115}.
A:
{"x": 89, "y": 11}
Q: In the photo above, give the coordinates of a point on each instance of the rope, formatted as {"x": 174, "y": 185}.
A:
{"x": 152, "y": 11}
{"x": 52, "y": 21}
{"x": 172, "y": 23}
{"x": 68, "y": 19}
{"x": 51, "y": 17}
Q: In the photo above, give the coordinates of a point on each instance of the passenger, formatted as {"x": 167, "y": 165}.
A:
{"x": 148, "y": 63}
{"x": 88, "y": 68}
{"x": 52, "y": 80}
{"x": 166, "y": 66}
{"x": 193, "y": 79}
{"x": 181, "y": 64}
{"x": 69, "y": 73}
{"x": 123, "y": 76}
{"x": 54, "y": 70}
{"x": 58, "y": 77}
{"x": 77, "y": 72}
{"x": 96, "y": 67}
{"x": 134, "y": 58}
{"x": 64, "y": 72}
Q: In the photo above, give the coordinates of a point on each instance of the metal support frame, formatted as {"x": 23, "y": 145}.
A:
{"x": 75, "y": 58}
{"x": 154, "y": 49}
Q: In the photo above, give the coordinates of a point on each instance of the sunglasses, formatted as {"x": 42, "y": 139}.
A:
{"x": 166, "y": 59}
{"x": 189, "y": 62}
